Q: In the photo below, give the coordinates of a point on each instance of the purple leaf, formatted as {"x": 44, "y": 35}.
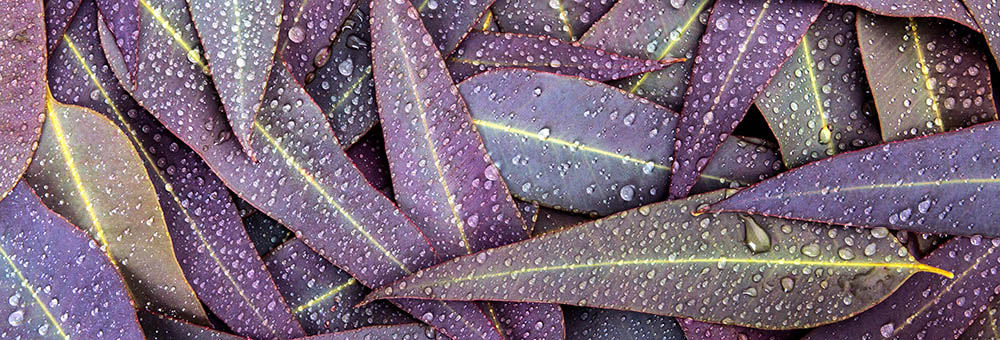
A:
{"x": 985, "y": 326}
{"x": 308, "y": 31}
{"x": 612, "y": 150}
{"x": 739, "y": 162}
{"x": 411, "y": 331}
{"x": 940, "y": 80}
{"x": 935, "y": 184}
{"x": 985, "y": 14}
{"x": 608, "y": 263}
{"x": 608, "y": 324}
{"x": 159, "y": 327}
{"x": 58, "y": 284}
{"x": 265, "y": 233}
{"x": 239, "y": 37}
{"x": 930, "y": 306}
{"x": 122, "y": 19}
{"x": 696, "y": 330}
{"x": 550, "y": 220}
{"x": 368, "y": 154}
{"x": 529, "y": 212}
{"x": 58, "y": 15}
{"x": 482, "y": 51}
{"x": 448, "y": 21}
{"x": 947, "y": 9}
{"x": 22, "y": 92}
{"x": 645, "y": 30}
{"x": 743, "y": 48}
{"x": 562, "y": 19}
{"x": 816, "y": 103}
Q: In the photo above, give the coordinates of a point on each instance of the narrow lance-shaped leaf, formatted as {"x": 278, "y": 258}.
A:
{"x": 743, "y": 48}
{"x": 160, "y": 327}
{"x": 740, "y": 162}
{"x": 122, "y": 19}
{"x": 988, "y": 19}
{"x": 410, "y": 331}
{"x": 323, "y": 297}
{"x": 947, "y": 9}
{"x": 22, "y": 88}
{"x": 448, "y": 21}
{"x": 608, "y": 324}
{"x": 570, "y": 143}
{"x": 58, "y": 285}
{"x": 303, "y": 178}
{"x": 208, "y": 237}
{"x": 816, "y": 104}
{"x": 442, "y": 175}
{"x": 696, "y": 330}
{"x": 86, "y": 170}
{"x": 930, "y": 306}
{"x": 927, "y": 75}
{"x": 777, "y": 266}
{"x": 482, "y": 51}
{"x": 563, "y": 19}
{"x": 239, "y": 37}
{"x": 945, "y": 183}
{"x": 656, "y": 30}
{"x": 368, "y": 154}
{"x": 308, "y": 31}
{"x": 58, "y": 14}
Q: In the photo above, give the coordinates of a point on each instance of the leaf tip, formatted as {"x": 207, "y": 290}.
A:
{"x": 936, "y": 270}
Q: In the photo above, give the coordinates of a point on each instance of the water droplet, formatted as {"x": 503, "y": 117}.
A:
{"x": 544, "y": 133}
{"x": 722, "y": 24}
{"x": 346, "y": 67}
{"x": 756, "y": 237}
{"x": 787, "y": 284}
{"x": 846, "y": 253}
{"x": 887, "y": 329}
{"x": 296, "y": 34}
{"x": 16, "y": 318}
{"x": 811, "y": 250}
{"x": 677, "y": 3}
{"x": 627, "y": 192}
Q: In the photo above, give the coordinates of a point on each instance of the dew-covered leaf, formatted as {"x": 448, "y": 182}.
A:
{"x": 985, "y": 326}
{"x": 482, "y": 51}
{"x": 799, "y": 274}
{"x": 58, "y": 15}
{"x": 743, "y": 47}
{"x": 448, "y": 21}
{"x": 322, "y": 296}
{"x": 160, "y": 327}
{"x": 57, "y": 283}
{"x": 943, "y": 183}
{"x": 86, "y": 170}
{"x": 696, "y": 330}
{"x": 739, "y": 162}
{"x": 240, "y": 38}
{"x": 988, "y": 19}
{"x": 562, "y": 19}
{"x": 122, "y": 18}
{"x": 308, "y": 32}
{"x": 608, "y": 324}
{"x": 265, "y": 233}
{"x": 22, "y": 87}
{"x": 368, "y": 154}
{"x": 816, "y": 104}
{"x": 550, "y": 220}
{"x": 529, "y": 212}
{"x": 487, "y": 23}
{"x": 947, "y": 9}
{"x": 570, "y": 143}
{"x": 655, "y": 30}
{"x": 410, "y": 331}
{"x": 930, "y": 306}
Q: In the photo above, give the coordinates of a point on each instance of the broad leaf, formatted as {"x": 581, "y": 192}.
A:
{"x": 988, "y": 19}
{"x": 482, "y": 51}
{"x": 22, "y": 89}
{"x": 208, "y": 236}
{"x": 655, "y": 30}
{"x": 448, "y": 21}
{"x": 696, "y": 330}
{"x": 740, "y": 162}
{"x": 930, "y": 306}
{"x": 160, "y": 327}
{"x": 570, "y": 143}
{"x": 660, "y": 259}
{"x": 239, "y": 37}
{"x": 562, "y": 19}
{"x": 927, "y": 75}
{"x": 607, "y": 324}
{"x": 743, "y": 48}
{"x": 948, "y": 9}
{"x": 86, "y": 170}
{"x": 816, "y": 104}
{"x": 943, "y": 183}
{"x": 57, "y": 283}
{"x": 308, "y": 30}
{"x": 58, "y": 15}
{"x": 122, "y": 19}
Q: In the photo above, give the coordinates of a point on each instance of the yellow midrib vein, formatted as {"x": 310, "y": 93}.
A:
{"x": 564, "y": 16}
{"x": 34, "y": 295}
{"x": 347, "y": 93}
{"x": 884, "y": 186}
{"x": 670, "y": 46}
{"x": 514, "y": 63}
{"x": 333, "y": 291}
{"x": 925, "y": 72}
{"x": 176, "y": 35}
{"x": 295, "y": 21}
{"x": 810, "y": 68}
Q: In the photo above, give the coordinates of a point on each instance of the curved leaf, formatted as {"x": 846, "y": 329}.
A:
{"x": 947, "y": 9}
{"x": 58, "y": 15}
{"x": 816, "y": 103}
{"x": 987, "y": 18}
{"x": 482, "y": 51}
{"x": 22, "y": 89}
{"x": 740, "y": 162}
{"x": 562, "y": 19}
{"x": 569, "y": 143}
{"x": 411, "y": 331}
{"x": 122, "y": 18}
{"x": 159, "y": 327}
{"x": 927, "y": 75}
{"x": 56, "y": 281}
{"x": 529, "y": 212}
{"x": 655, "y": 30}
{"x": 86, "y": 170}
{"x": 943, "y": 183}
{"x": 308, "y": 31}
{"x": 608, "y": 324}
{"x": 930, "y": 306}
{"x": 743, "y": 48}
{"x": 660, "y": 259}
{"x": 208, "y": 236}
{"x": 239, "y": 38}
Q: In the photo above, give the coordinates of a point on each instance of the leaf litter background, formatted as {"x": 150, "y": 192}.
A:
{"x": 523, "y": 169}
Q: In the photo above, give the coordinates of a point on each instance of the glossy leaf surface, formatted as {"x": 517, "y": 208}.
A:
{"x": 985, "y": 326}
{"x": 569, "y": 143}
{"x": 696, "y": 330}
{"x": 122, "y": 19}
{"x": 22, "y": 89}
{"x": 608, "y": 324}
{"x": 744, "y": 45}
{"x": 778, "y": 266}
{"x": 448, "y": 21}
{"x": 947, "y": 9}
{"x": 58, "y": 284}
{"x": 562, "y": 19}
{"x": 308, "y": 31}
{"x": 740, "y": 162}
{"x": 935, "y": 184}
{"x": 58, "y": 15}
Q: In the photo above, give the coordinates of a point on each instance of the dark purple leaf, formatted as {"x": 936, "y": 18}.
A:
{"x": 57, "y": 283}
{"x": 930, "y": 306}
{"x": 487, "y": 23}
{"x": 985, "y": 326}
{"x": 570, "y": 143}
{"x": 411, "y": 331}
{"x": 265, "y": 233}
{"x": 927, "y": 75}
{"x": 239, "y": 37}
{"x": 947, "y": 9}
{"x": 322, "y": 296}
{"x": 816, "y": 104}
{"x": 308, "y": 32}
{"x": 563, "y": 19}
{"x": 550, "y": 220}
{"x": 58, "y": 14}
{"x": 739, "y": 162}
{"x": 743, "y": 48}
{"x": 159, "y": 327}
{"x": 607, "y": 324}
{"x": 655, "y": 30}
{"x": 988, "y": 19}
{"x": 22, "y": 92}
{"x": 122, "y": 19}
{"x": 368, "y": 154}
{"x": 941, "y": 183}
{"x": 448, "y": 21}
{"x": 696, "y": 330}
{"x": 529, "y": 212}
{"x": 661, "y": 259}
{"x": 482, "y": 51}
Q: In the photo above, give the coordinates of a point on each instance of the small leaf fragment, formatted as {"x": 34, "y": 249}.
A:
{"x": 608, "y": 324}
{"x": 739, "y": 162}
{"x": 948, "y": 9}
{"x": 562, "y": 19}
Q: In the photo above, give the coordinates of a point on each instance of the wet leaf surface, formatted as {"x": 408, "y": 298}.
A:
{"x": 947, "y": 9}
{"x": 22, "y": 91}
{"x": 57, "y": 283}
{"x": 740, "y": 162}
{"x": 309, "y": 29}
{"x": 159, "y": 327}
{"x": 835, "y": 271}
{"x": 940, "y": 81}
{"x": 58, "y": 14}
{"x": 742, "y": 49}
{"x": 985, "y": 326}
{"x": 448, "y": 21}
{"x": 572, "y": 144}
{"x": 988, "y": 19}
{"x": 607, "y": 324}
{"x": 696, "y": 330}
{"x": 817, "y": 104}
{"x": 411, "y": 331}
{"x": 936, "y": 184}
{"x": 122, "y": 19}
{"x": 562, "y": 19}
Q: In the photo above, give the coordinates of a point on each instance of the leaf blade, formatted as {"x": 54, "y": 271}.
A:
{"x": 22, "y": 95}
